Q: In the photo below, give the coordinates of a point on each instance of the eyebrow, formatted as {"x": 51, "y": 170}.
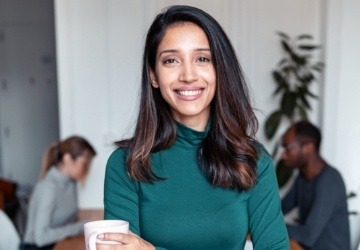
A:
{"x": 176, "y": 50}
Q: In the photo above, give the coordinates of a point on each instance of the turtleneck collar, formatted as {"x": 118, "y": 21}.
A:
{"x": 188, "y": 137}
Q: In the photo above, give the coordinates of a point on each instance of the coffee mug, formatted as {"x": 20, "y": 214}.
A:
{"x": 94, "y": 228}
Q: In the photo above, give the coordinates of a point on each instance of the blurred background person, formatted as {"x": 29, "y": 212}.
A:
{"x": 53, "y": 206}
{"x": 318, "y": 192}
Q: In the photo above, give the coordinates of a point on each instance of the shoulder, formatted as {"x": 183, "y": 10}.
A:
{"x": 116, "y": 172}
{"x": 118, "y": 155}
{"x": 116, "y": 163}
{"x": 264, "y": 159}
{"x": 45, "y": 189}
{"x": 331, "y": 176}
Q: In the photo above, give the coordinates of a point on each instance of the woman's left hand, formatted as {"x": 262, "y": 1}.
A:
{"x": 129, "y": 241}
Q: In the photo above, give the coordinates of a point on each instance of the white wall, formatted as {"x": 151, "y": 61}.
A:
{"x": 99, "y": 47}
{"x": 28, "y": 89}
{"x": 341, "y": 117}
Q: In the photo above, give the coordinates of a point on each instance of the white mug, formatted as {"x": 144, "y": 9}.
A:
{"x": 94, "y": 228}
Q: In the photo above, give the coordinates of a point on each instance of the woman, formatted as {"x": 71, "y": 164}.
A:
{"x": 53, "y": 204}
{"x": 192, "y": 176}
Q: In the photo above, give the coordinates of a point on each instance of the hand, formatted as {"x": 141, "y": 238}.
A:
{"x": 129, "y": 241}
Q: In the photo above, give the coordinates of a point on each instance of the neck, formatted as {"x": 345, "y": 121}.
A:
{"x": 63, "y": 169}
{"x": 194, "y": 122}
{"x": 313, "y": 167}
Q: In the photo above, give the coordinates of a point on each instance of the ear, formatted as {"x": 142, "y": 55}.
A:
{"x": 154, "y": 82}
{"x": 67, "y": 158}
{"x": 309, "y": 148}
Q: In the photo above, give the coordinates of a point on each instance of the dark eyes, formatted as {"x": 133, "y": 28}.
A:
{"x": 204, "y": 59}
{"x": 200, "y": 59}
{"x": 169, "y": 61}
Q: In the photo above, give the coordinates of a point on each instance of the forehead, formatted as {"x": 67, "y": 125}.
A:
{"x": 289, "y": 136}
{"x": 86, "y": 154}
{"x": 185, "y": 33}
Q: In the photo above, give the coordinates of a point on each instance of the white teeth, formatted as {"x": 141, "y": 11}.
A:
{"x": 188, "y": 92}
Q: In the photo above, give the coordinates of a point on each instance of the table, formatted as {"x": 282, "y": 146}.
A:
{"x": 294, "y": 245}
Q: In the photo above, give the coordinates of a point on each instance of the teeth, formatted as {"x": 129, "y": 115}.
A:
{"x": 188, "y": 92}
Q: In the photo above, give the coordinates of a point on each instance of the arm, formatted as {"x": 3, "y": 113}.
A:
{"x": 267, "y": 226}
{"x": 44, "y": 233}
{"x": 121, "y": 199}
{"x": 321, "y": 212}
{"x": 289, "y": 201}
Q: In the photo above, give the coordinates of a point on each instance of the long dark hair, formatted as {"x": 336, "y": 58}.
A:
{"x": 74, "y": 145}
{"x": 227, "y": 156}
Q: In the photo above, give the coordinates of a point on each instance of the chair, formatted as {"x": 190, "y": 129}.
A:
{"x": 7, "y": 194}
{"x": 9, "y": 238}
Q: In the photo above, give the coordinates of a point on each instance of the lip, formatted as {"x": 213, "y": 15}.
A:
{"x": 189, "y": 94}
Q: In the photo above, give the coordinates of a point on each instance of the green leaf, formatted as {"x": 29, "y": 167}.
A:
{"x": 288, "y": 69}
{"x": 318, "y": 69}
{"x": 308, "y": 47}
{"x": 272, "y": 124}
{"x": 283, "y": 35}
{"x": 282, "y": 61}
{"x": 279, "y": 88}
{"x": 301, "y": 60}
{"x": 286, "y": 47}
{"x": 310, "y": 94}
{"x": 351, "y": 195}
{"x": 279, "y": 79}
{"x": 305, "y": 101}
{"x": 303, "y": 113}
{"x": 288, "y": 103}
{"x": 304, "y": 36}
{"x": 310, "y": 77}
{"x": 283, "y": 173}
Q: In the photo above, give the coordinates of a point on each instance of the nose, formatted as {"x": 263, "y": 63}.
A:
{"x": 188, "y": 73}
{"x": 283, "y": 155}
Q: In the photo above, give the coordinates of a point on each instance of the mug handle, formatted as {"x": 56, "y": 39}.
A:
{"x": 92, "y": 241}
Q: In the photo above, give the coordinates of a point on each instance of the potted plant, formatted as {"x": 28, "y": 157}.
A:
{"x": 293, "y": 76}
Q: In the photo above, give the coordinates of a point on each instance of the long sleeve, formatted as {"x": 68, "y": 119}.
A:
{"x": 289, "y": 201}
{"x": 52, "y": 210}
{"x": 121, "y": 199}
{"x": 267, "y": 226}
{"x": 44, "y": 232}
{"x": 120, "y": 192}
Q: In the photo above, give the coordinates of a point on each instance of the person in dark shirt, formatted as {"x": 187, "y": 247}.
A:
{"x": 318, "y": 192}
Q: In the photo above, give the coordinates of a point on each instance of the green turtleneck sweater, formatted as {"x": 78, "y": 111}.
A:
{"x": 184, "y": 212}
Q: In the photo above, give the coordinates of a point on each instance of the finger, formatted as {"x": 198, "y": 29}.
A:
{"x": 119, "y": 237}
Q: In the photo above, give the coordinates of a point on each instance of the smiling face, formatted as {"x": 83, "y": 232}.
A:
{"x": 185, "y": 74}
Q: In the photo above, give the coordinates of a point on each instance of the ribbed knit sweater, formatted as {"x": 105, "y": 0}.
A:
{"x": 185, "y": 212}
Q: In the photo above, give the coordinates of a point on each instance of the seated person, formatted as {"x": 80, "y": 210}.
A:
{"x": 318, "y": 192}
{"x": 53, "y": 203}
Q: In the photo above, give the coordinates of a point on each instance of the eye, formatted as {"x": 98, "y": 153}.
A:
{"x": 169, "y": 61}
{"x": 203, "y": 59}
